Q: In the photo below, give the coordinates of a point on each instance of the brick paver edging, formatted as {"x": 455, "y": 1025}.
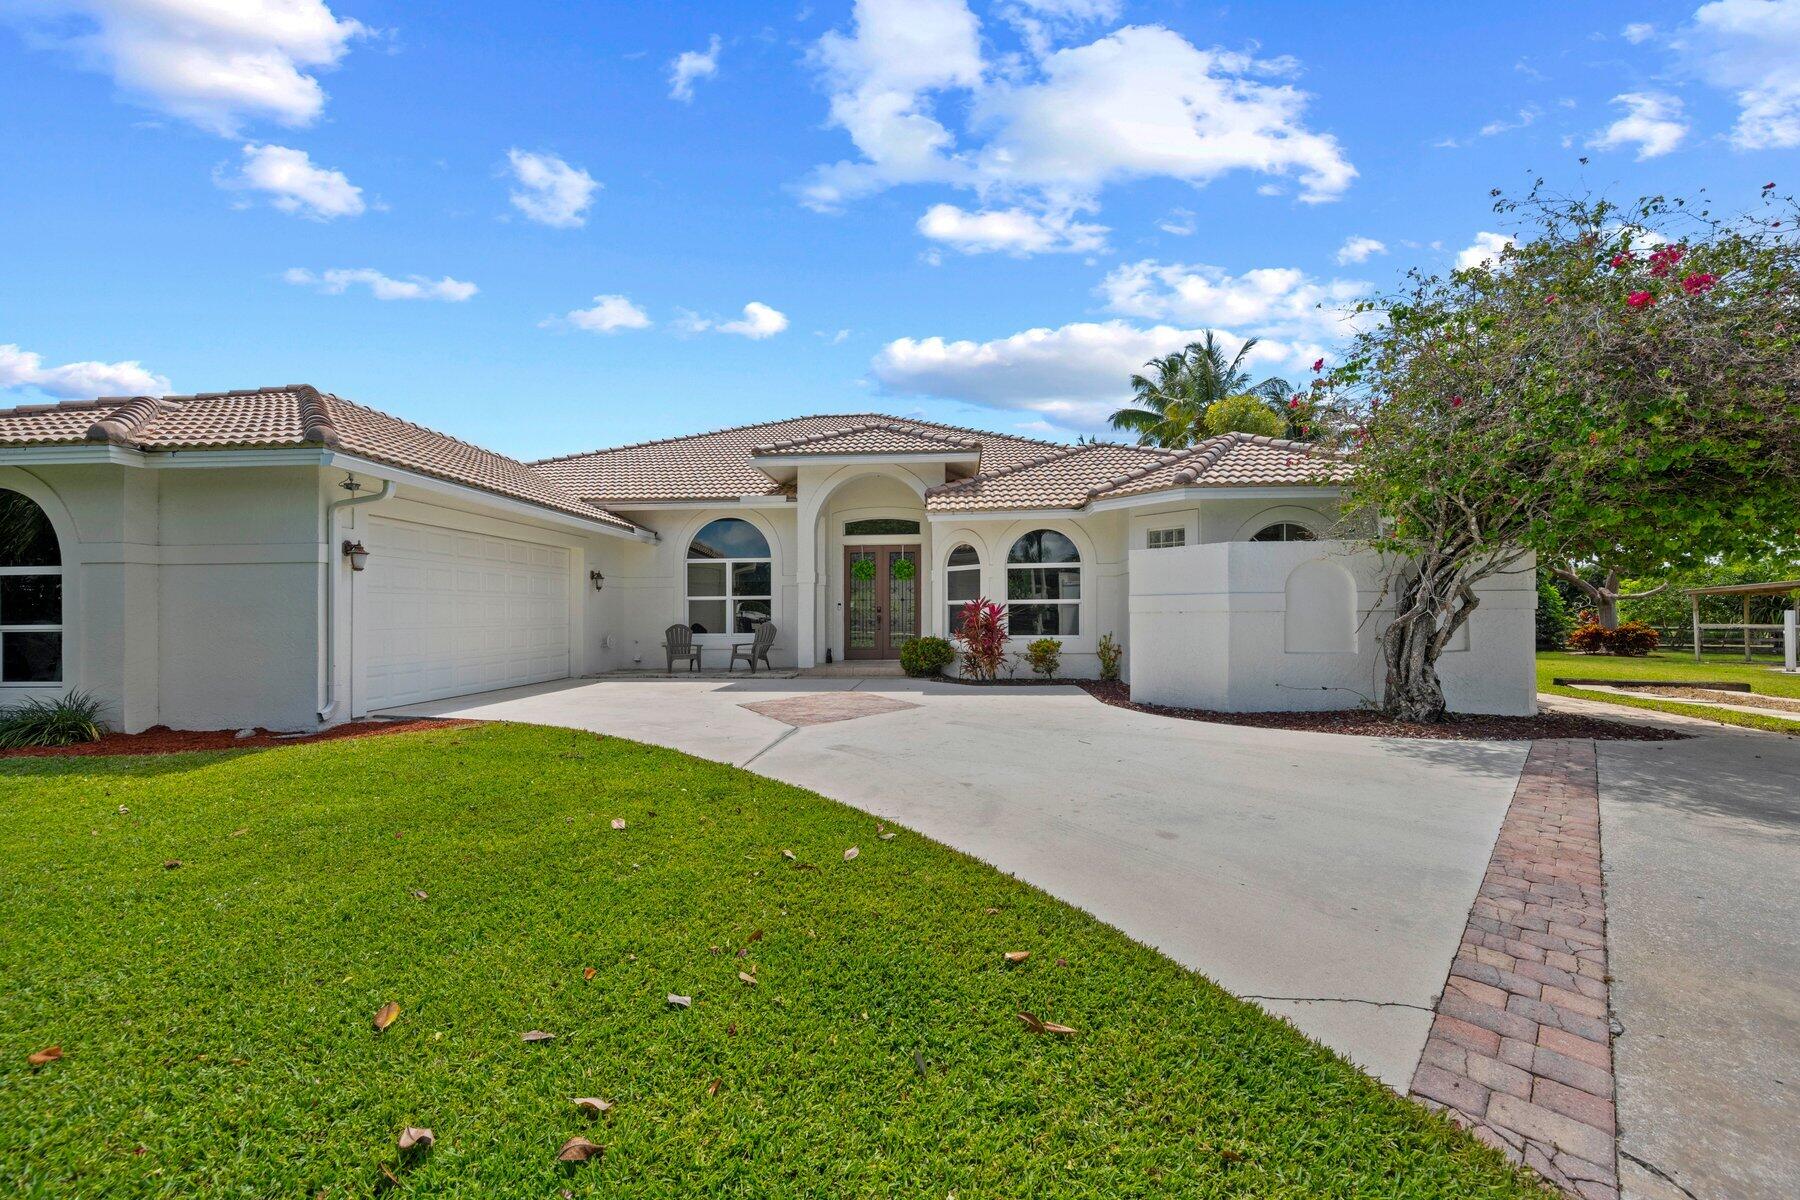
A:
{"x": 1520, "y": 1049}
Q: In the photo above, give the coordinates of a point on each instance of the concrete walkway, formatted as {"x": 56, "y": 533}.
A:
{"x": 1327, "y": 877}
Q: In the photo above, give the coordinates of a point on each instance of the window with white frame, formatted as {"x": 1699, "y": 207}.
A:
{"x": 1043, "y": 586}
{"x": 730, "y": 578}
{"x": 1165, "y": 539}
{"x": 31, "y": 595}
{"x": 962, "y": 583}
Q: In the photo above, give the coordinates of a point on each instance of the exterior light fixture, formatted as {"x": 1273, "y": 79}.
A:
{"x": 358, "y": 556}
{"x": 598, "y": 580}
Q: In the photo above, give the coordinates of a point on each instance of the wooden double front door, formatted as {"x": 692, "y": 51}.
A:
{"x": 881, "y": 599}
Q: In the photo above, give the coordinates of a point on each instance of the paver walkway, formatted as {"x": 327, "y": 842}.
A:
{"x": 1521, "y": 1047}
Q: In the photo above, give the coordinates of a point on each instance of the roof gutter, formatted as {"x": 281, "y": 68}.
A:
{"x": 333, "y": 571}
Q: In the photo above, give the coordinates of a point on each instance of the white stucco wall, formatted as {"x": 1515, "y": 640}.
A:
{"x": 1255, "y": 626}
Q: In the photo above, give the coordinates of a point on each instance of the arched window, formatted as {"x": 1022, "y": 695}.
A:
{"x": 1043, "y": 586}
{"x": 31, "y": 594}
{"x": 962, "y": 582}
{"x": 1283, "y": 531}
{"x": 730, "y": 579}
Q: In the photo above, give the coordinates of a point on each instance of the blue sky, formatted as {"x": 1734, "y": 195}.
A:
{"x": 528, "y": 226}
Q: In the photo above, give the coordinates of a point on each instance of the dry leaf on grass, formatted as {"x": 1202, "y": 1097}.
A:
{"x": 680, "y": 1001}
{"x": 239, "y": 832}
{"x": 886, "y": 837}
{"x": 851, "y": 853}
{"x": 712, "y": 1089}
{"x": 1017, "y": 956}
{"x": 990, "y": 911}
{"x": 789, "y": 855}
{"x": 747, "y": 978}
{"x": 588, "y": 972}
{"x": 170, "y": 864}
{"x": 386, "y": 1015}
{"x": 592, "y": 1104}
{"x": 578, "y": 1150}
{"x": 618, "y": 822}
{"x": 1038, "y": 1025}
{"x": 414, "y": 1135}
{"x": 757, "y": 936}
{"x": 418, "y": 894}
{"x": 537, "y": 1035}
{"x": 48, "y": 1054}
{"x": 919, "y": 1062}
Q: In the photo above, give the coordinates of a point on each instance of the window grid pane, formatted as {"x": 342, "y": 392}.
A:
{"x": 30, "y": 657}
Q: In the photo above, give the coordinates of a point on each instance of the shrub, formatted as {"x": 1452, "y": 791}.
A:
{"x": 1589, "y": 638}
{"x": 1632, "y": 638}
{"x": 982, "y": 636}
{"x": 68, "y": 721}
{"x": 1111, "y": 653}
{"x": 1045, "y": 656}
{"x": 924, "y": 657}
{"x": 1242, "y": 414}
{"x": 1553, "y": 619}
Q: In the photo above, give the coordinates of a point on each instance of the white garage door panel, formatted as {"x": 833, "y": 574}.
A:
{"x": 458, "y": 612}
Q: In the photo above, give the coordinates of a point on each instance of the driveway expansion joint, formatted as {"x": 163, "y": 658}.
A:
{"x": 1343, "y": 1000}
{"x": 1520, "y": 1049}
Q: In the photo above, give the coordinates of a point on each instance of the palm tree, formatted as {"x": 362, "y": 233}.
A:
{"x": 1169, "y": 409}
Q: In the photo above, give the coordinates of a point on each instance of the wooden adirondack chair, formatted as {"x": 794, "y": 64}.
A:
{"x": 758, "y": 648}
{"x": 678, "y": 640}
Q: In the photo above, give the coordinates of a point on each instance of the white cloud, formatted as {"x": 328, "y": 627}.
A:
{"x": 1016, "y": 231}
{"x": 1750, "y": 48}
{"x": 1487, "y": 247}
{"x": 1073, "y": 376}
{"x": 1526, "y": 116}
{"x": 294, "y": 185}
{"x": 215, "y": 63}
{"x": 77, "y": 380}
{"x": 1041, "y": 23}
{"x": 609, "y": 314}
{"x": 1179, "y": 222}
{"x": 550, "y": 191}
{"x": 758, "y": 322}
{"x": 1279, "y": 302}
{"x": 1638, "y": 32}
{"x": 1652, "y": 122}
{"x": 691, "y": 65}
{"x": 338, "y": 280}
{"x": 1358, "y": 248}
{"x": 1140, "y": 102}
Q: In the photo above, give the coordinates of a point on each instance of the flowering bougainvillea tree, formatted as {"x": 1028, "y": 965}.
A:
{"x": 1620, "y": 387}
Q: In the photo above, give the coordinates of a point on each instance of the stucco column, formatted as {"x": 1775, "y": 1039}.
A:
{"x": 806, "y": 580}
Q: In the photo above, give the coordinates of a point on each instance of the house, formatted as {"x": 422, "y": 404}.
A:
{"x": 284, "y": 557}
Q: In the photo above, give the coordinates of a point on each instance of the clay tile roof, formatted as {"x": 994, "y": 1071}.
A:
{"x": 294, "y": 415}
{"x": 1062, "y": 479}
{"x": 1234, "y": 460}
{"x": 720, "y": 465}
{"x": 876, "y": 437}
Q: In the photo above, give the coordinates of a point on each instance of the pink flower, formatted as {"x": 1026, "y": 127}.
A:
{"x": 1663, "y": 259}
{"x": 1619, "y": 262}
{"x": 1640, "y": 300}
{"x": 1456, "y": 402}
{"x": 1769, "y": 186}
{"x": 1294, "y": 403}
{"x": 1697, "y": 284}
{"x": 1318, "y": 365}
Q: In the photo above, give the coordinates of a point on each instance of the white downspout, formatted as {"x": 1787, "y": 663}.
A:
{"x": 329, "y": 709}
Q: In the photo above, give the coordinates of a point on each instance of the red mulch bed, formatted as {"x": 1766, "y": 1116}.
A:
{"x": 1361, "y": 723}
{"x": 160, "y": 739}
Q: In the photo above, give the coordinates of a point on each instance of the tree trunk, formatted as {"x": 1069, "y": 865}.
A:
{"x": 1605, "y": 597}
{"x": 1425, "y": 614}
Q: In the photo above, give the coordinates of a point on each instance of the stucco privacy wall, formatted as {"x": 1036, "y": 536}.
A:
{"x": 1248, "y": 626}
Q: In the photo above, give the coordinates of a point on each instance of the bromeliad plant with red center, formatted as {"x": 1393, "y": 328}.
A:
{"x": 982, "y": 636}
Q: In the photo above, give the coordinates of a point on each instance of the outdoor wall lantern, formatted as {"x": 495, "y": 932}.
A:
{"x": 598, "y": 580}
{"x": 359, "y": 557}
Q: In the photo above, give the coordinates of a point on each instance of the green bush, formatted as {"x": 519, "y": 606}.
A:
{"x": 1242, "y": 414}
{"x": 924, "y": 657}
{"x": 73, "y": 719}
{"x": 1110, "y": 653}
{"x": 1045, "y": 656}
{"x": 1554, "y": 623}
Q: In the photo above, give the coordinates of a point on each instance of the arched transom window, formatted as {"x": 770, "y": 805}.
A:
{"x": 962, "y": 582}
{"x": 1283, "y": 531}
{"x": 1043, "y": 586}
{"x": 31, "y": 594}
{"x": 730, "y": 579}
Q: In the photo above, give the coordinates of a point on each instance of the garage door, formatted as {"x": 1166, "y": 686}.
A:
{"x": 453, "y": 612}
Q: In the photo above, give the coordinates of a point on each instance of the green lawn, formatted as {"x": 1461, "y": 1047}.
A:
{"x": 1676, "y": 667}
{"x": 215, "y": 1017}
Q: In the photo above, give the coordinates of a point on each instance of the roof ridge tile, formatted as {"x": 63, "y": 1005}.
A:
{"x": 688, "y": 437}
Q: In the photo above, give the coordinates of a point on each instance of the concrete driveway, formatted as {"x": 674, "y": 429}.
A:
{"x": 1326, "y": 877}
